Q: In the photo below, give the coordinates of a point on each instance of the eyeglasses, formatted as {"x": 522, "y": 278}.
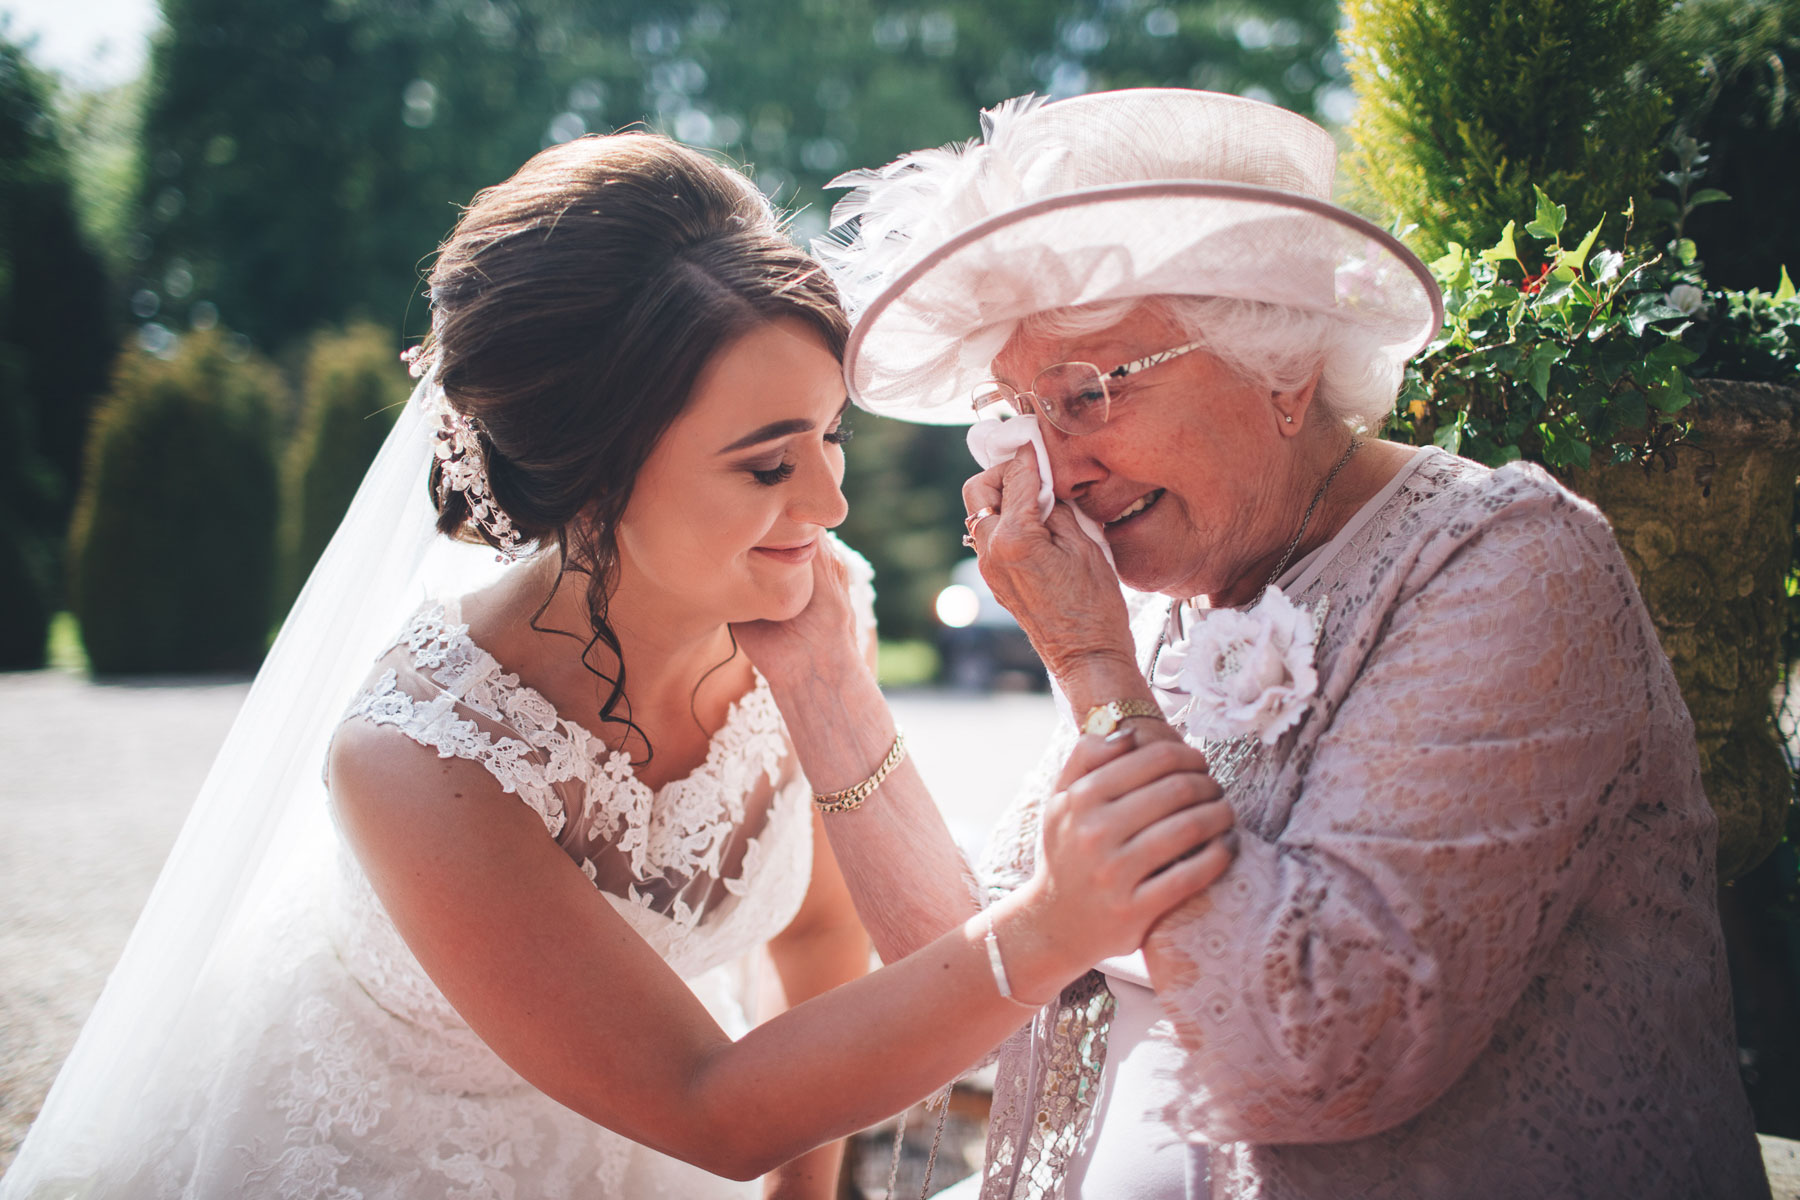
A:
{"x": 1072, "y": 396}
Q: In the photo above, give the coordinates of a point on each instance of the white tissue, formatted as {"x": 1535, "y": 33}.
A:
{"x": 995, "y": 442}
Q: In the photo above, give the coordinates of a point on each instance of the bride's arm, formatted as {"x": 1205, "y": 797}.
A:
{"x": 822, "y": 947}
{"x": 558, "y": 984}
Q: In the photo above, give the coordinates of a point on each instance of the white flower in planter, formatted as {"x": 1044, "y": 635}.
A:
{"x": 1685, "y": 298}
{"x": 1246, "y": 672}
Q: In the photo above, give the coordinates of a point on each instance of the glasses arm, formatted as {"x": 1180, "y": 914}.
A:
{"x": 1151, "y": 360}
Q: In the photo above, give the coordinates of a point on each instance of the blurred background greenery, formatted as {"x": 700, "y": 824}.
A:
{"x": 282, "y": 170}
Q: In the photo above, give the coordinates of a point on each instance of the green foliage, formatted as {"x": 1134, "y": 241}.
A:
{"x": 101, "y": 129}
{"x": 1465, "y": 105}
{"x": 302, "y": 157}
{"x": 353, "y": 391}
{"x": 1746, "y": 110}
{"x": 904, "y": 484}
{"x": 1754, "y": 335}
{"x": 1564, "y": 352}
{"x": 906, "y": 664}
{"x": 55, "y": 332}
{"x": 24, "y": 600}
{"x": 171, "y": 551}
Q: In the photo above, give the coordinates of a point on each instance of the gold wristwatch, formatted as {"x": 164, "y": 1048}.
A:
{"x": 1104, "y": 718}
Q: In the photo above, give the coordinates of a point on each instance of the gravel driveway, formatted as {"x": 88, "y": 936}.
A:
{"x": 99, "y": 777}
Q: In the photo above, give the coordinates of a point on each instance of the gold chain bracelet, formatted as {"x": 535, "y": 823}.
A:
{"x": 851, "y": 798}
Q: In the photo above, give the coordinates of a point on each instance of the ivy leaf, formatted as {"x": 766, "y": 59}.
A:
{"x": 1550, "y": 217}
{"x": 1451, "y": 263}
{"x": 1576, "y": 259}
{"x": 1706, "y": 196}
{"x": 1537, "y": 366}
{"x": 1648, "y": 307}
{"x": 1606, "y": 264}
{"x": 1450, "y": 436}
{"x": 1504, "y": 250}
{"x": 1785, "y": 291}
{"x": 1629, "y": 409}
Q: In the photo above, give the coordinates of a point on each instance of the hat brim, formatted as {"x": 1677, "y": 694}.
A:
{"x": 905, "y": 356}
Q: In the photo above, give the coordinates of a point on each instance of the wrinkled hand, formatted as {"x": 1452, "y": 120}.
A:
{"x": 1132, "y": 832}
{"x": 1048, "y": 574}
{"x": 820, "y": 641}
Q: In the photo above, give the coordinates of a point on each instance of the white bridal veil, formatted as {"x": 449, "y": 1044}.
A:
{"x": 258, "y": 828}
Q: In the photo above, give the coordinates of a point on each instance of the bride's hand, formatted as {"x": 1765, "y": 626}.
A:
{"x": 820, "y": 641}
{"x": 1132, "y": 832}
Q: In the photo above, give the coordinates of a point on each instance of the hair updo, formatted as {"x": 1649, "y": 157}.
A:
{"x": 573, "y": 308}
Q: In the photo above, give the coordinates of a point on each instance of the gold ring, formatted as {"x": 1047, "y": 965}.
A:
{"x": 979, "y": 515}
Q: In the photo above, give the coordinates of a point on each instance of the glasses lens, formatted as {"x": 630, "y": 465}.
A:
{"x": 1073, "y": 396}
{"x": 994, "y": 401}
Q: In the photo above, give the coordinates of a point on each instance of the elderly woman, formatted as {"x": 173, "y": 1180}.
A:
{"x": 1468, "y": 943}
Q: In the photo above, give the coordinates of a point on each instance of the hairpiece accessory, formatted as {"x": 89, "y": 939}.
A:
{"x": 462, "y": 467}
{"x": 1108, "y": 196}
{"x": 851, "y": 798}
{"x": 417, "y": 363}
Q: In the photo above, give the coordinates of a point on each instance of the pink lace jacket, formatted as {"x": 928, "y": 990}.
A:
{"x": 1469, "y": 944}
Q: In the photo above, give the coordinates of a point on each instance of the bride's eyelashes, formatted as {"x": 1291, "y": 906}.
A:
{"x": 782, "y": 471}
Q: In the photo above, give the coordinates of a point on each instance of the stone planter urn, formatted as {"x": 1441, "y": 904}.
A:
{"x": 1709, "y": 536}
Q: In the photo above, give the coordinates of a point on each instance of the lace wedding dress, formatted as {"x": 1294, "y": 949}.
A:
{"x": 339, "y": 1071}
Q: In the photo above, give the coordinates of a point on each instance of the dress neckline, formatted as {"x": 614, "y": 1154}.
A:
{"x": 550, "y": 719}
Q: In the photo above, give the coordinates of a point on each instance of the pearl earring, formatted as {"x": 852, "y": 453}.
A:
{"x": 1289, "y": 420}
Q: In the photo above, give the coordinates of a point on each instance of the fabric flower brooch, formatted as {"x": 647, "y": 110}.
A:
{"x": 1245, "y": 673}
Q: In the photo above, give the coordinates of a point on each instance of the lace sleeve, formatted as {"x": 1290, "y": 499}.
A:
{"x": 1462, "y": 800}
{"x": 403, "y": 699}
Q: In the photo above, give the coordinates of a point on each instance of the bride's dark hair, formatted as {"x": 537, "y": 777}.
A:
{"x": 574, "y": 306}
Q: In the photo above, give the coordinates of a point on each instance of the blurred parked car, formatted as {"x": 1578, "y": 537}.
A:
{"x": 982, "y": 648}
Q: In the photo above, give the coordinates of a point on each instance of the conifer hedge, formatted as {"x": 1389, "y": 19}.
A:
{"x": 172, "y": 547}
{"x": 1464, "y": 105}
{"x": 1746, "y": 116}
{"x": 353, "y": 391}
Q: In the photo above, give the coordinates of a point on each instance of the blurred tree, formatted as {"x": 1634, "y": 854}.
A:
{"x": 1467, "y": 104}
{"x": 353, "y": 389}
{"x": 56, "y": 341}
{"x": 172, "y": 550}
{"x": 302, "y": 157}
{"x": 1747, "y": 116}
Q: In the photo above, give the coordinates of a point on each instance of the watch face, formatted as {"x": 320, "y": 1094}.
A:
{"x": 1102, "y": 720}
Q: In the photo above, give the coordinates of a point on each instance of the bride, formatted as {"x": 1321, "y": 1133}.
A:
{"x": 507, "y": 948}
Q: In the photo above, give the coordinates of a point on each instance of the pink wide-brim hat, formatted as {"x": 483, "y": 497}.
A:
{"x": 1107, "y": 196}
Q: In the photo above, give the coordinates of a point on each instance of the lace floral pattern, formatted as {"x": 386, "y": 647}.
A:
{"x": 336, "y": 1069}
{"x": 1469, "y": 943}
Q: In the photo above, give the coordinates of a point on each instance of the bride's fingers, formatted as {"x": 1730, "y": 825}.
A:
{"x": 1172, "y": 837}
{"x": 1184, "y": 879}
{"x": 1141, "y": 808}
{"x": 1092, "y": 751}
{"x": 1113, "y": 779}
